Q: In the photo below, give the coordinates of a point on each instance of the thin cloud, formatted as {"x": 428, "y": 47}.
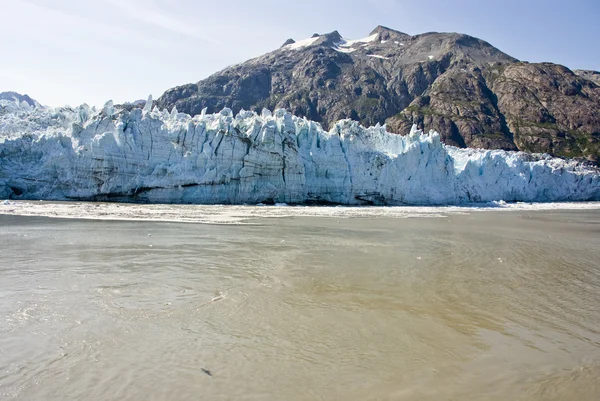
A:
{"x": 95, "y": 29}
{"x": 145, "y": 13}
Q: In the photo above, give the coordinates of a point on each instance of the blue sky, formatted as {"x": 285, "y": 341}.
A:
{"x": 72, "y": 51}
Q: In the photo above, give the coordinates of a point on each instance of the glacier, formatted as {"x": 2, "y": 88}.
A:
{"x": 156, "y": 156}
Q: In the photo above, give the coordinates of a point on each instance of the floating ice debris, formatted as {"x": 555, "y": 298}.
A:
{"x": 217, "y": 214}
{"x": 218, "y": 297}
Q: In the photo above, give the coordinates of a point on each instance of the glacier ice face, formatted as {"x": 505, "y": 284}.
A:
{"x": 155, "y": 156}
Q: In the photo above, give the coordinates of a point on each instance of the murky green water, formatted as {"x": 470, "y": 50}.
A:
{"x": 484, "y": 306}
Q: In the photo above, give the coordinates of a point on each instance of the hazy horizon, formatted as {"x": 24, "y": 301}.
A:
{"x": 69, "y": 52}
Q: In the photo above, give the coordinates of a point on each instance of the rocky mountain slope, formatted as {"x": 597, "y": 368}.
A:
{"x": 473, "y": 94}
{"x": 593, "y": 76}
{"x": 148, "y": 155}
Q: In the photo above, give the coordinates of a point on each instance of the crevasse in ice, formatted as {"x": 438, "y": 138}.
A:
{"x": 149, "y": 155}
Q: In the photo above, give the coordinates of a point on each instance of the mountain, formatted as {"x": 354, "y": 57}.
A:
{"x": 470, "y": 92}
{"x": 144, "y": 155}
{"x": 593, "y": 76}
{"x": 14, "y": 96}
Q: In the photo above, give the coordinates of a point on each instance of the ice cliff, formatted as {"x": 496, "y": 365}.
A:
{"x": 155, "y": 156}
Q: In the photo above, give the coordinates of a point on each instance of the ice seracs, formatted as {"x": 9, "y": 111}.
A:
{"x": 148, "y": 106}
{"x": 274, "y": 157}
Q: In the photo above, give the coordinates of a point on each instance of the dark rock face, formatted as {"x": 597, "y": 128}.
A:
{"x": 470, "y": 92}
{"x": 12, "y": 96}
{"x": 462, "y": 108}
{"x": 550, "y": 109}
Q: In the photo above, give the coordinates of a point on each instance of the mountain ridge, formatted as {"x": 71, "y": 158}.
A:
{"x": 472, "y": 93}
{"x": 15, "y": 96}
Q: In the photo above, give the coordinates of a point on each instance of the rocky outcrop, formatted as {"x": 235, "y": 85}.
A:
{"x": 531, "y": 107}
{"x": 462, "y": 108}
{"x": 470, "y": 92}
{"x": 590, "y": 75}
{"x": 550, "y": 109}
{"x": 146, "y": 155}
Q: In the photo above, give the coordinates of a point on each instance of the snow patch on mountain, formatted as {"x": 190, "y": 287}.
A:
{"x": 348, "y": 45}
{"x": 350, "y": 42}
{"x": 301, "y": 43}
{"x": 343, "y": 45}
{"x": 344, "y": 49}
{"x": 152, "y": 155}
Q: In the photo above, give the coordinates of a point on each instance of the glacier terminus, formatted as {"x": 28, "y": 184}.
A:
{"x": 149, "y": 155}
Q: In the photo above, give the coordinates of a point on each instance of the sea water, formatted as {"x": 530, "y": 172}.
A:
{"x": 130, "y": 302}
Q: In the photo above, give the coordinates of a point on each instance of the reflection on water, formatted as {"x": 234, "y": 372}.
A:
{"x": 489, "y": 305}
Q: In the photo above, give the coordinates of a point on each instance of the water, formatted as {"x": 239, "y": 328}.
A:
{"x": 477, "y": 306}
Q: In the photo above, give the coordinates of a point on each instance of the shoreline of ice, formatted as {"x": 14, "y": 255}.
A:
{"x": 153, "y": 156}
{"x": 242, "y": 214}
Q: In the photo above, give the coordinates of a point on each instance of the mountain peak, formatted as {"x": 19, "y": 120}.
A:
{"x": 331, "y": 38}
{"x": 328, "y": 39}
{"x": 465, "y": 88}
{"x": 15, "y": 96}
{"x": 290, "y": 41}
{"x": 387, "y": 33}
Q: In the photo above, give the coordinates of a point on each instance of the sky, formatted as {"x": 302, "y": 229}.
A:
{"x": 72, "y": 51}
